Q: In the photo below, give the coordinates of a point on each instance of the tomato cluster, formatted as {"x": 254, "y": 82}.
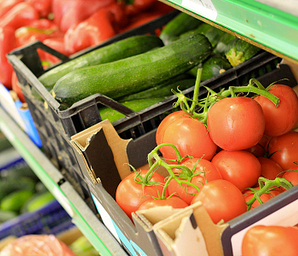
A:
{"x": 244, "y": 153}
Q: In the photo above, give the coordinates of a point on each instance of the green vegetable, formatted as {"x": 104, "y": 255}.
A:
{"x": 240, "y": 51}
{"x": 82, "y": 247}
{"x": 213, "y": 66}
{"x": 162, "y": 90}
{"x": 133, "y": 74}
{"x": 177, "y": 26}
{"x": 15, "y": 200}
{"x": 223, "y": 44}
{"x": 119, "y": 50}
{"x": 38, "y": 201}
{"x": 136, "y": 105}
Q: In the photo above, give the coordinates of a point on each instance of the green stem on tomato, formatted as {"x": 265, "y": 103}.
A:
{"x": 265, "y": 187}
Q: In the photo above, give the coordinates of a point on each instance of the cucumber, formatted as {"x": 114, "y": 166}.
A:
{"x": 177, "y": 26}
{"x": 213, "y": 66}
{"x": 223, "y": 44}
{"x": 133, "y": 74}
{"x": 18, "y": 172}
{"x": 38, "y": 201}
{"x": 15, "y": 200}
{"x": 162, "y": 90}
{"x": 112, "y": 115}
{"x": 240, "y": 51}
{"x": 121, "y": 49}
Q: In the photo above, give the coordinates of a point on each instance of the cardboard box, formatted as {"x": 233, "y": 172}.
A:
{"x": 164, "y": 231}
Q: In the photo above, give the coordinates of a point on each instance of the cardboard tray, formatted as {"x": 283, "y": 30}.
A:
{"x": 103, "y": 155}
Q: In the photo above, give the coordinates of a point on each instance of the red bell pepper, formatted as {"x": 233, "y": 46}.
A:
{"x": 99, "y": 27}
{"x": 38, "y": 30}
{"x": 68, "y": 13}
{"x": 20, "y": 15}
{"x": 134, "y": 7}
{"x": 7, "y": 44}
{"x": 44, "y": 7}
{"x": 6, "y": 5}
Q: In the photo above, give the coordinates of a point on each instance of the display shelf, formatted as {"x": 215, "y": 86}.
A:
{"x": 82, "y": 216}
{"x": 273, "y": 28}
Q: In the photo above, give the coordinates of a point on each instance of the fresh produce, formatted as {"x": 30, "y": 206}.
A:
{"x": 222, "y": 46}
{"x": 240, "y": 51}
{"x": 236, "y": 123}
{"x": 261, "y": 240}
{"x": 213, "y": 66}
{"x": 173, "y": 201}
{"x": 15, "y": 200}
{"x": 132, "y": 190}
{"x": 37, "y": 201}
{"x": 222, "y": 200}
{"x": 119, "y": 50}
{"x": 276, "y": 121}
{"x": 135, "y": 105}
{"x": 181, "y": 24}
{"x": 119, "y": 78}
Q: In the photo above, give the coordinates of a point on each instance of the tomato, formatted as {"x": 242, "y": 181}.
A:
{"x": 130, "y": 194}
{"x": 284, "y": 150}
{"x": 269, "y": 168}
{"x": 280, "y": 120}
{"x": 190, "y": 137}
{"x": 166, "y": 122}
{"x": 173, "y": 201}
{"x": 291, "y": 176}
{"x": 239, "y": 167}
{"x": 272, "y": 240}
{"x": 205, "y": 171}
{"x": 259, "y": 150}
{"x": 222, "y": 200}
{"x": 236, "y": 123}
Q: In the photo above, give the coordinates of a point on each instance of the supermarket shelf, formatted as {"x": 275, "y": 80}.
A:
{"x": 81, "y": 214}
{"x": 273, "y": 28}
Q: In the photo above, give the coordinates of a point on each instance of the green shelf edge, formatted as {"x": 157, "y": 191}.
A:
{"x": 270, "y": 27}
{"x": 43, "y": 168}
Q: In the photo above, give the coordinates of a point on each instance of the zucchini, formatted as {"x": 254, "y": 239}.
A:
{"x": 133, "y": 74}
{"x": 178, "y": 26}
{"x": 38, "y": 201}
{"x": 15, "y": 200}
{"x": 162, "y": 90}
{"x": 223, "y": 44}
{"x": 213, "y": 66}
{"x": 118, "y": 50}
{"x": 139, "y": 104}
{"x": 240, "y": 51}
{"x": 7, "y": 215}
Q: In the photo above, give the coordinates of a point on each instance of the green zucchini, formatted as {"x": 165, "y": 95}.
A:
{"x": 38, "y": 201}
{"x": 15, "y": 200}
{"x": 133, "y": 74}
{"x": 240, "y": 51}
{"x": 213, "y": 66}
{"x": 7, "y": 215}
{"x": 223, "y": 44}
{"x": 136, "y": 105}
{"x": 119, "y": 50}
{"x": 177, "y": 26}
{"x": 162, "y": 90}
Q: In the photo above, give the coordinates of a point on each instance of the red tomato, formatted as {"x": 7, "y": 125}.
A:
{"x": 166, "y": 122}
{"x": 173, "y": 201}
{"x": 259, "y": 150}
{"x": 130, "y": 194}
{"x": 239, "y": 167}
{"x": 284, "y": 150}
{"x": 190, "y": 137}
{"x": 280, "y": 120}
{"x": 291, "y": 176}
{"x": 205, "y": 171}
{"x": 269, "y": 168}
{"x": 222, "y": 200}
{"x": 263, "y": 240}
{"x": 236, "y": 123}
{"x": 16, "y": 87}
